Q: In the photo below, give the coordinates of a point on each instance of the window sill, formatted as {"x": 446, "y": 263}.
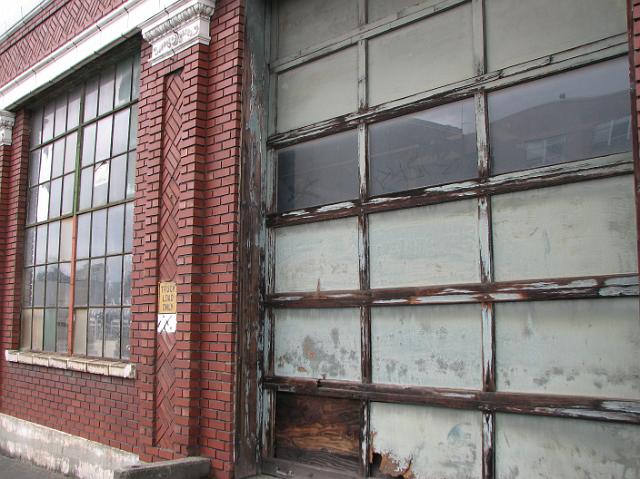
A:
{"x": 103, "y": 367}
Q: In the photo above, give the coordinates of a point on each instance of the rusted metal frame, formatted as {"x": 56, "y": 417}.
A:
{"x": 578, "y": 407}
{"x": 364, "y": 32}
{"x": 284, "y": 468}
{"x": 583, "y": 170}
{"x": 619, "y": 285}
{"x": 564, "y": 61}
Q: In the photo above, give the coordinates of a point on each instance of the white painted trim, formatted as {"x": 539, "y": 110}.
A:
{"x": 7, "y": 120}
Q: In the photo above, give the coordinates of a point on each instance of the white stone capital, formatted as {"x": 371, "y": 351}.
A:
{"x": 7, "y": 120}
{"x": 179, "y": 29}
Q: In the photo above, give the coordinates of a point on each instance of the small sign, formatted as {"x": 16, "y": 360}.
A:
{"x": 167, "y": 323}
{"x": 167, "y": 301}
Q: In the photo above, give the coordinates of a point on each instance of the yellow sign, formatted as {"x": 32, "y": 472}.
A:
{"x": 167, "y": 301}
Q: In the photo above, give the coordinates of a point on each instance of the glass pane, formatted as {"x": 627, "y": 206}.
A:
{"x": 42, "y": 213}
{"x": 66, "y": 239}
{"x": 61, "y": 115}
{"x": 318, "y": 172}
{"x": 50, "y": 329}
{"x": 335, "y": 90}
{"x": 58, "y": 158}
{"x": 62, "y": 326}
{"x": 318, "y": 256}
{"x": 98, "y": 232}
{"x": 128, "y": 228}
{"x": 53, "y": 242}
{"x": 114, "y": 281}
{"x": 73, "y": 112}
{"x": 126, "y": 280}
{"x": 106, "y": 90}
{"x": 135, "y": 83}
{"x": 25, "y": 329}
{"x": 318, "y": 343}
{"x": 41, "y": 244}
{"x": 100, "y": 183}
{"x": 429, "y": 442}
{"x": 37, "y": 329}
{"x": 112, "y": 333}
{"x": 96, "y": 282}
{"x": 56, "y": 198}
{"x": 86, "y": 188}
{"x": 435, "y": 346}
{"x": 84, "y": 233}
{"x": 32, "y": 205}
{"x": 51, "y": 296}
{"x": 125, "y": 348}
{"x": 91, "y": 99}
{"x": 565, "y": 448}
{"x": 82, "y": 283}
{"x": 88, "y": 144}
{"x": 120, "y": 132}
{"x": 80, "y": 331}
{"x": 117, "y": 182}
{"x": 27, "y": 287}
{"x": 64, "y": 284}
{"x": 34, "y": 168}
{"x": 133, "y": 128}
{"x": 36, "y": 127}
{"x": 115, "y": 229}
{"x": 123, "y": 81}
{"x": 430, "y": 245}
{"x": 103, "y": 139}
{"x": 47, "y": 126}
{"x": 417, "y": 57}
{"x": 29, "y": 246}
{"x": 131, "y": 174}
{"x": 572, "y": 116}
{"x": 580, "y": 347}
{"x": 422, "y": 149}
{"x": 578, "y": 229}
{"x": 67, "y": 194}
{"x": 45, "y": 164}
{"x": 95, "y": 331}
{"x": 70, "y": 153}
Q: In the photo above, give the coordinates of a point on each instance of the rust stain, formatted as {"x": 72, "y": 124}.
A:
{"x": 391, "y": 467}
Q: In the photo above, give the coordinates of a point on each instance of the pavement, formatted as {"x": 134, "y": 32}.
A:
{"x": 11, "y": 468}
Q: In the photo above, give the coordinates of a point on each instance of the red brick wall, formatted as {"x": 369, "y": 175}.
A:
{"x": 54, "y": 26}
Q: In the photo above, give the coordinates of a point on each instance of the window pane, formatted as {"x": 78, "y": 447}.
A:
{"x": 133, "y": 128}
{"x": 41, "y": 244}
{"x": 91, "y": 99}
{"x": 96, "y": 282}
{"x": 115, "y": 229}
{"x": 95, "y": 330}
{"x": 73, "y": 112}
{"x": 422, "y": 149}
{"x": 103, "y": 139}
{"x": 128, "y": 228}
{"x": 64, "y": 284}
{"x": 47, "y": 126}
{"x": 27, "y": 287}
{"x": 36, "y": 127}
{"x": 135, "y": 82}
{"x": 25, "y": 329}
{"x": 62, "y": 338}
{"x": 100, "y": 183}
{"x": 98, "y": 233}
{"x": 88, "y": 144}
{"x": 29, "y": 246}
{"x": 318, "y": 172}
{"x": 54, "y": 242}
{"x": 84, "y": 233}
{"x": 126, "y": 281}
{"x": 80, "y": 331}
{"x": 123, "y": 81}
{"x": 37, "y": 327}
{"x": 117, "y": 182}
{"x": 58, "y": 158}
{"x": 82, "y": 283}
{"x": 51, "y": 296}
{"x": 571, "y": 116}
{"x": 34, "y": 167}
{"x": 32, "y": 205}
{"x": 120, "y": 132}
{"x": 86, "y": 188}
{"x": 113, "y": 285}
{"x": 61, "y": 115}
{"x": 45, "y": 164}
{"x": 67, "y": 194}
{"x": 50, "y": 329}
{"x": 125, "y": 348}
{"x": 70, "y": 153}
{"x": 112, "y": 333}
{"x": 43, "y": 202}
{"x": 66, "y": 239}
{"x": 56, "y": 198}
{"x": 105, "y": 102}
{"x": 131, "y": 174}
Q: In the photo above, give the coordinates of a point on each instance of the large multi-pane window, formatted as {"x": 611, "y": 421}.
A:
{"x": 78, "y": 240}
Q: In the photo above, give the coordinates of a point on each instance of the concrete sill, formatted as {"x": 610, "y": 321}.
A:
{"x": 103, "y": 367}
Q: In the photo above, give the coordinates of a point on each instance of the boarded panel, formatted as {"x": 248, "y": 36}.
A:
{"x": 417, "y": 442}
{"x": 437, "y": 346}
{"x": 530, "y": 447}
{"x": 317, "y": 343}
{"x": 521, "y": 31}
{"x": 304, "y": 24}
{"x": 334, "y": 93}
{"x": 319, "y": 431}
{"x": 582, "y": 347}
{"x": 418, "y": 57}
{"x": 320, "y": 256}
{"x": 578, "y": 229}
{"x": 429, "y": 245}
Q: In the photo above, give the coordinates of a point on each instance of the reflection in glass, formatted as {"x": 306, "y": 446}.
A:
{"x": 125, "y": 348}
{"x": 98, "y": 232}
{"x": 572, "y": 116}
{"x": 91, "y": 99}
{"x": 82, "y": 283}
{"x": 112, "y": 332}
{"x": 43, "y": 202}
{"x": 115, "y": 229}
{"x": 80, "y": 331}
{"x": 62, "y": 330}
{"x": 96, "y": 282}
{"x": 25, "y": 329}
{"x": 37, "y": 329}
{"x": 86, "y": 188}
{"x": 61, "y": 115}
{"x": 131, "y": 172}
{"x": 118, "y": 178}
{"x": 64, "y": 284}
{"x": 113, "y": 286}
{"x": 126, "y": 282}
{"x": 73, "y": 112}
{"x": 51, "y": 295}
{"x": 105, "y": 103}
{"x": 103, "y": 139}
{"x": 70, "y": 153}
{"x": 54, "y": 242}
{"x": 49, "y": 329}
{"x": 34, "y": 168}
{"x": 27, "y": 287}
{"x": 422, "y": 149}
{"x": 29, "y": 246}
{"x": 66, "y": 238}
{"x": 45, "y": 164}
{"x": 58, "y": 158}
{"x": 100, "y": 183}
{"x": 318, "y": 172}
{"x": 84, "y": 232}
{"x": 120, "y": 132}
{"x": 56, "y": 198}
{"x": 123, "y": 82}
{"x": 67, "y": 194}
{"x": 36, "y": 127}
{"x": 38, "y": 286}
{"x": 128, "y": 228}
{"x": 32, "y": 205}
{"x": 95, "y": 330}
{"x": 47, "y": 125}
{"x": 41, "y": 244}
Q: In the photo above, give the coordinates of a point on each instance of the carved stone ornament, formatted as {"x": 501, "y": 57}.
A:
{"x": 7, "y": 120}
{"x": 180, "y": 29}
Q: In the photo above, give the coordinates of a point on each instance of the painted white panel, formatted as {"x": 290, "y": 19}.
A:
{"x": 304, "y": 24}
{"x": 581, "y": 347}
{"x": 578, "y": 229}
{"x": 419, "y": 57}
{"x": 318, "y": 256}
{"x": 378, "y": 9}
{"x": 317, "y": 91}
{"x": 317, "y": 343}
{"x": 529, "y": 447}
{"x": 436, "y": 346}
{"x": 521, "y": 31}
{"x": 426, "y": 442}
{"x": 430, "y": 245}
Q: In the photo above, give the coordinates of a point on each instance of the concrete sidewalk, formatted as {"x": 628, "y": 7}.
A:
{"x": 11, "y": 468}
